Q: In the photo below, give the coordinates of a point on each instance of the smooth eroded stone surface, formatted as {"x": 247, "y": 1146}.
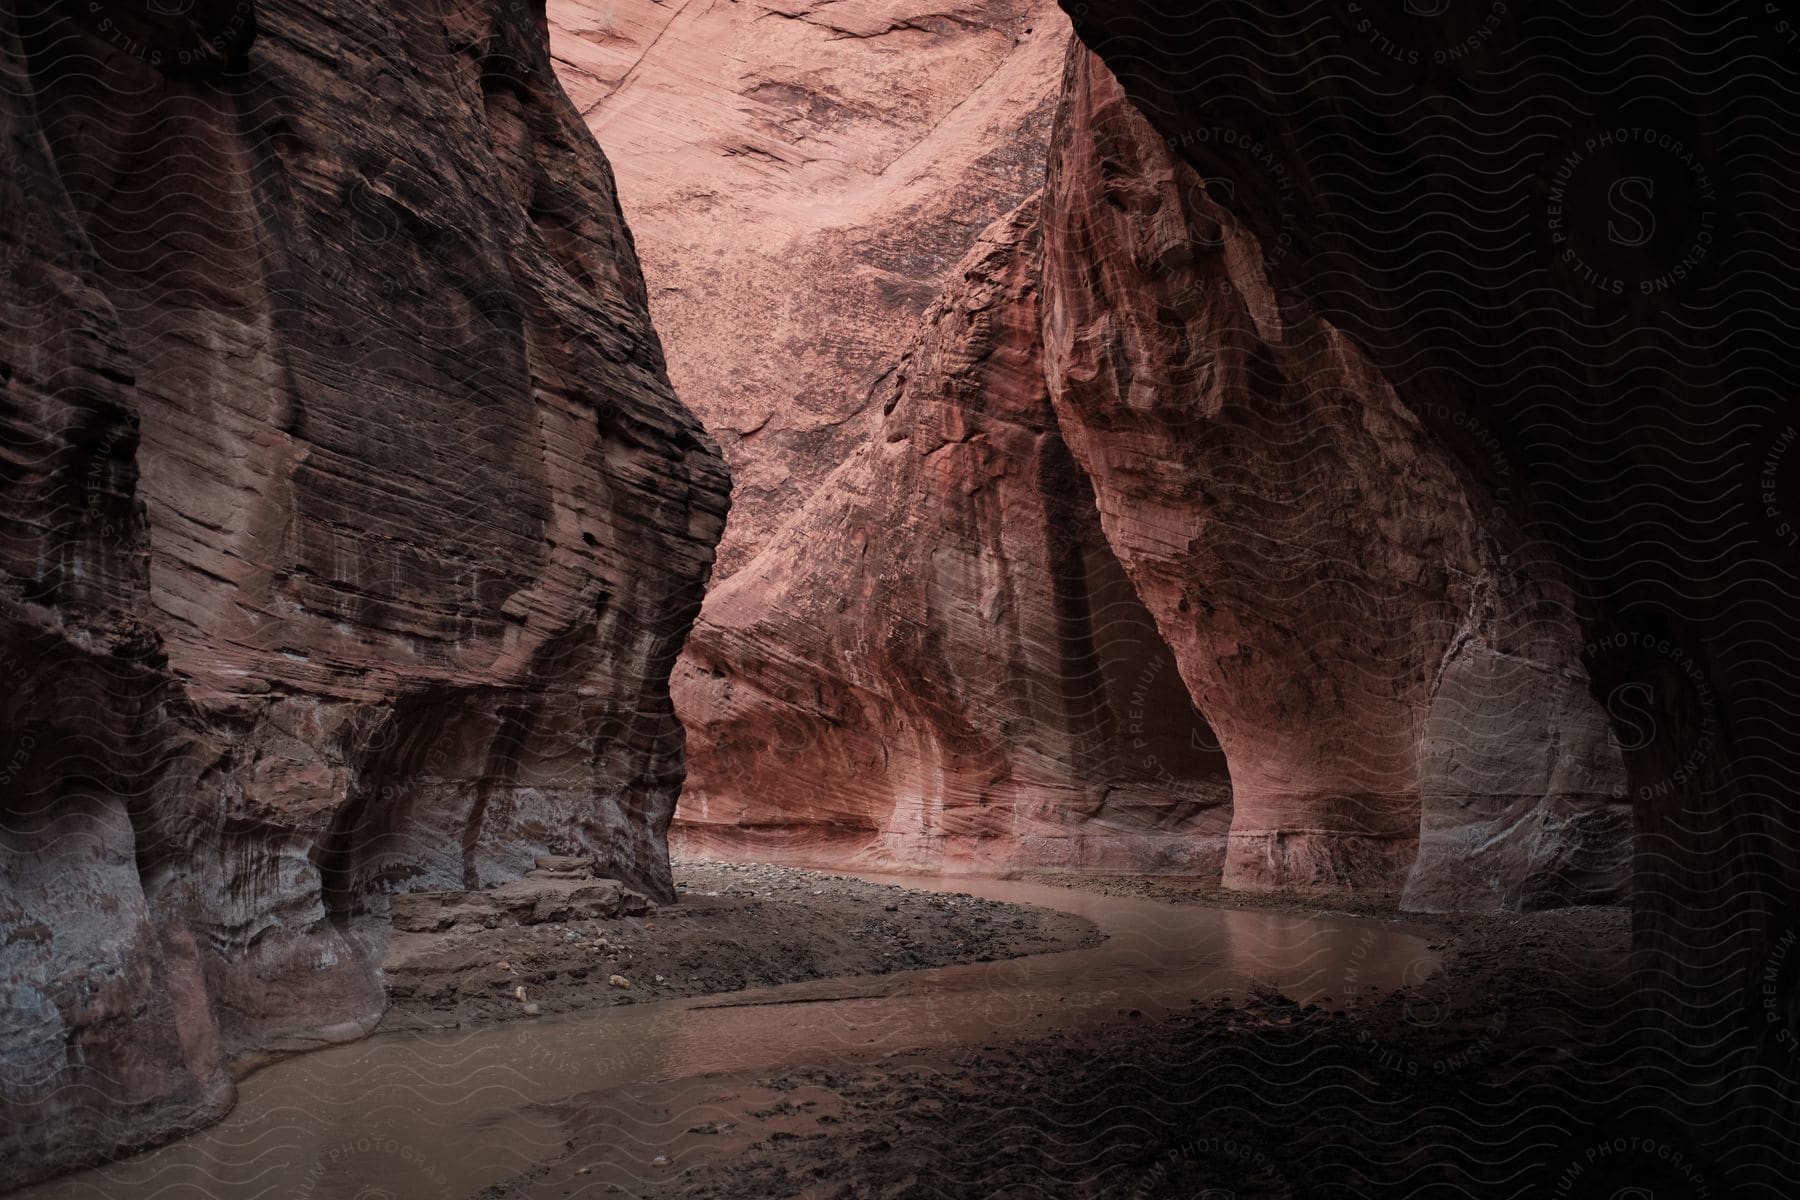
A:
{"x": 349, "y": 529}
{"x": 1395, "y": 680}
{"x": 938, "y": 662}
{"x": 801, "y": 179}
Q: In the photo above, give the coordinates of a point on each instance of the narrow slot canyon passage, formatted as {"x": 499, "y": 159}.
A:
{"x": 860, "y": 598}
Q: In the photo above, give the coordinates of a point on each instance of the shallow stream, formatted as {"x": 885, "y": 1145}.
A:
{"x": 440, "y": 1116}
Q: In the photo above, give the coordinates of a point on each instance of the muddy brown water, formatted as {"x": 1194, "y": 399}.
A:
{"x": 442, "y": 1115}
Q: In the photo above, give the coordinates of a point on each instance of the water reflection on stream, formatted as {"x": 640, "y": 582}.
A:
{"x": 440, "y": 1116}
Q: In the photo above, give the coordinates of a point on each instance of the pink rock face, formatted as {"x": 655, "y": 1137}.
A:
{"x": 937, "y": 663}
{"x": 1396, "y": 684}
{"x": 801, "y": 178}
{"x": 1377, "y": 659}
{"x": 884, "y": 677}
{"x": 350, "y": 530}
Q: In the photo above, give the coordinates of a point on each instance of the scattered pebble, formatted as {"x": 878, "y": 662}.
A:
{"x": 712, "y": 1127}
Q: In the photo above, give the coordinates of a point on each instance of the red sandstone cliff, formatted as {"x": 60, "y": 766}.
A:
{"x": 350, "y": 528}
{"x": 937, "y": 661}
{"x": 925, "y": 655}
{"x": 802, "y": 178}
{"x": 1393, "y": 673}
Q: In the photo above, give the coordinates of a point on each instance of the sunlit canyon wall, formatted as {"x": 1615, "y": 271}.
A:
{"x": 985, "y": 584}
{"x": 923, "y": 653}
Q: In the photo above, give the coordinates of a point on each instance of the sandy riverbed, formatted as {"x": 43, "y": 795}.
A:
{"x": 1486, "y": 1076}
{"x": 1207, "y": 1046}
{"x": 735, "y": 926}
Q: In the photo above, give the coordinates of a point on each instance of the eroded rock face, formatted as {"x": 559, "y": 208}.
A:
{"x": 1611, "y": 311}
{"x": 350, "y": 529}
{"x": 1394, "y": 677}
{"x": 1397, "y": 683}
{"x": 801, "y": 178}
{"x": 926, "y": 655}
{"x": 938, "y": 662}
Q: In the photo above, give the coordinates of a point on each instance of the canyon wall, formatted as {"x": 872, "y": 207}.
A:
{"x": 801, "y": 179}
{"x": 922, "y": 653}
{"x": 1563, "y": 241}
{"x": 937, "y": 662}
{"x": 1392, "y": 670}
{"x": 350, "y": 528}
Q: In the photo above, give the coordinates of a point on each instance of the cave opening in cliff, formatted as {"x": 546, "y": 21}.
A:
{"x": 860, "y": 597}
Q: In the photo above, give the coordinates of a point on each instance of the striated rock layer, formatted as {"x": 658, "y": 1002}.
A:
{"x": 801, "y": 179}
{"x": 1394, "y": 676}
{"x": 350, "y": 528}
{"x": 938, "y": 662}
